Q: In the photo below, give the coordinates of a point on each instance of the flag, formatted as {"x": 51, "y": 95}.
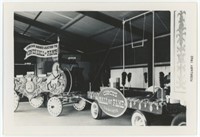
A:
{"x": 42, "y": 51}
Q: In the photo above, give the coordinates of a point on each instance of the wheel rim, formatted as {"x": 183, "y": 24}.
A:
{"x": 138, "y": 119}
{"x": 94, "y": 110}
{"x": 182, "y": 124}
{"x": 54, "y": 106}
{"x": 16, "y": 101}
{"x": 80, "y": 105}
{"x": 37, "y": 101}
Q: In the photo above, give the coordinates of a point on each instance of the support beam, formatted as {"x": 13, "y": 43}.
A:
{"x": 105, "y": 58}
{"x": 102, "y": 31}
{"x": 112, "y": 21}
{"x": 67, "y": 25}
{"x": 39, "y": 25}
{"x": 138, "y": 16}
{"x": 129, "y": 44}
{"x": 30, "y": 25}
{"x": 149, "y": 61}
{"x": 76, "y": 39}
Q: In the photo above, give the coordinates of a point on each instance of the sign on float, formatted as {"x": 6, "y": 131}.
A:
{"x": 112, "y": 102}
{"x": 42, "y": 51}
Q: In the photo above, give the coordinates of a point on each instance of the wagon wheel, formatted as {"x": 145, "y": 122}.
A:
{"x": 80, "y": 105}
{"x": 37, "y": 101}
{"x": 96, "y": 110}
{"x": 54, "y": 106}
{"x": 139, "y": 119}
{"x": 179, "y": 120}
{"x": 16, "y": 101}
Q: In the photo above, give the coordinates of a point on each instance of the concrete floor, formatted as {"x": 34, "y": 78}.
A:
{"x": 26, "y": 115}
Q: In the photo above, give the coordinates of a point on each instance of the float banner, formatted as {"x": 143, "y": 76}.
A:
{"x": 112, "y": 102}
{"x": 42, "y": 51}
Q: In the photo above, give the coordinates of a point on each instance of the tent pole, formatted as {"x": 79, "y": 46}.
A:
{"x": 153, "y": 52}
{"x": 123, "y": 55}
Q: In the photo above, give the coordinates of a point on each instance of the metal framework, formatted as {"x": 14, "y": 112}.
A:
{"x": 109, "y": 20}
{"x": 68, "y": 35}
{"x": 153, "y": 44}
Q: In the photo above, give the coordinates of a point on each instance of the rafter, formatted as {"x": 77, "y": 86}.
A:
{"x": 76, "y": 39}
{"x": 67, "y": 25}
{"x": 112, "y": 21}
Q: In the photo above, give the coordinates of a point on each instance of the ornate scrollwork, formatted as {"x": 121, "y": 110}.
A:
{"x": 31, "y": 86}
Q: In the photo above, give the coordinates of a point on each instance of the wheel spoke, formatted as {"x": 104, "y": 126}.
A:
{"x": 141, "y": 122}
{"x": 80, "y": 105}
{"x": 54, "y": 106}
{"x": 37, "y": 101}
{"x": 138, "y": 119}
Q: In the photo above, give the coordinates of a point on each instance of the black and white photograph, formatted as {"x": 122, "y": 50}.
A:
{"x": 110, "y": 67}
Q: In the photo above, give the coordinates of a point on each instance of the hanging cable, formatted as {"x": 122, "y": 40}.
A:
{"x": 143, "y": 29}
{"x": 107, "y": 53}
{"x": 143, "y": 35}
{"x": 132, "y": 41}
{"x": 165, "y": 26}
{"x": 123, "y": 38}
{"x": 126, "y": 40}
{"x": 144, "y": 25}
{"x": 115, "y": 38}
{"x": 131, "y": 33}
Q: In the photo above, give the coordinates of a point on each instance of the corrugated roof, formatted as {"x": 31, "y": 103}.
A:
{"x": 92, "y": 30}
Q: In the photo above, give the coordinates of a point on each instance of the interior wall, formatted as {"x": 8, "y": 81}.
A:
{"x": 137, "y": 80}
{"x": 86, "y": 69}
{"x": 135, "y": 56}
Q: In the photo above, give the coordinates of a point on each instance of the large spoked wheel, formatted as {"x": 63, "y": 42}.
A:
{"x": 37, "y": 101}
{"x": 96, "y": 110}
{"x": 138, "y": 119}
{"x": 54, "y": 106}
{"x": 16, "y": 101}
{"x": 80, "y": 105}
{"x": 179, "y": 120}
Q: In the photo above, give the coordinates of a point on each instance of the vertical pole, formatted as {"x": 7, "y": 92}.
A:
{"x": 35, "y": 67}
{"x": 58, "y": 40}
{"x": 153, "y": 53}
{"x": 123, "y": 54}
{"x": 172, "y": 51}
{"x": 123, "y": 49}
{"x": 90, "y": 86}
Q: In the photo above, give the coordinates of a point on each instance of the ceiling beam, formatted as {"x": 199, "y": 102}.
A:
{"x": 112, "y": 21}
{"x": 34, "y": 20}
{"x": 47, "y": 27}
{"x": 102, "y": 31}
{"x": 129, "y": 44}
{"x": 76, "y": 39}
{"x": 67, "y": 25}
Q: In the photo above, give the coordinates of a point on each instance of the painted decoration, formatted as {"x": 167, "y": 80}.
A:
{"x": 31, "y": 85}
{"x": 180, "y": 51}
{"x": 112, "y": 102}
{"x": 42, "y": 51}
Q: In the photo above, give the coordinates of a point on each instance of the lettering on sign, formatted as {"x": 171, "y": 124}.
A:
{"x": 43, "y": 51}
{"x": 112, "y": 102}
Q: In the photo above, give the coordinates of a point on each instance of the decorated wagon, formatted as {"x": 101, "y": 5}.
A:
{"x": 55, "y": 86}
{"x": 168, "y": 99}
